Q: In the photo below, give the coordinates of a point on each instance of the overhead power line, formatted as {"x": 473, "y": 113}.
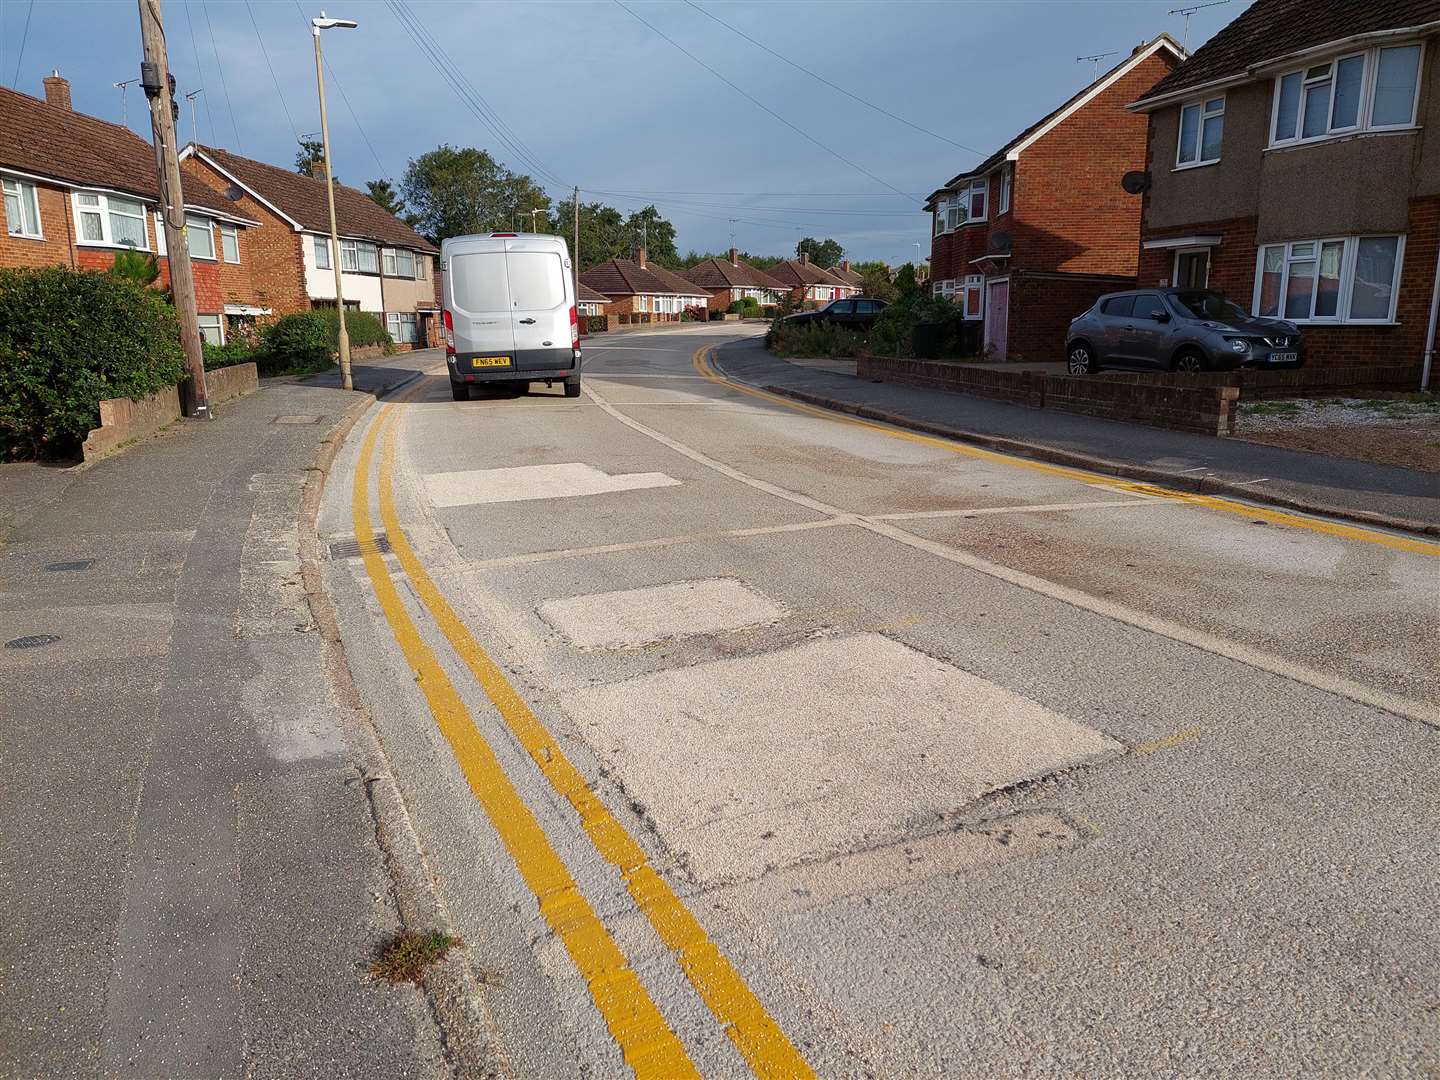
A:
{"x": 24, "y": 37}
{"x": 760, "y": 104}
{"x": 334, "y": 78}
{"x": 220, "y": 67}
{"x": 833, "y": 86}
{"x": 199, "y": 70}
{"x": 266, "y": 53}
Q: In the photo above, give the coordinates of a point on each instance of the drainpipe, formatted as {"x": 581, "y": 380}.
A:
{"x": 1430, "y": 333}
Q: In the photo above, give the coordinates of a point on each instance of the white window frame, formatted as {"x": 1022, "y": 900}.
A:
{"x": 1209, "y": 263}
{"x": 1364, "y": 118}
{"x": 231, "y": 233}
{"x": 395, "y": 320}
{"x": 1348, "y": 258}
{"x": 963, "y": 287}
{"x": 941, "y": 208}
{"x": 1007, "y": 185}
{"x": 354, "y": 249}
{"x": 1203, "y": 112}
{"x": 979, "y": 187}
{"x": 102, "y": 208}
{"x": 321, "y": 250}
{"x": 17, "y": 188}
{"x": 195, "y": 223}
{"x": 218, "y": 326}
{"x": 390, "y": 262}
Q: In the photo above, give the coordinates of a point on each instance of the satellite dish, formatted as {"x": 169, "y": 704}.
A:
{"x": 999, "y": 243}
{"x": 234, "y": 193}
{"x": 1136, "y": 183}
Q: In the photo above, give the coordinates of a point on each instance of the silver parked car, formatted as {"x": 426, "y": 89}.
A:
{"x": 1178, "y": 330}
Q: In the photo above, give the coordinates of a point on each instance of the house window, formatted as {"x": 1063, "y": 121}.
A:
{"x": 22, "y": 210}
{"x": 201, "y": 236}
{"x": 979, "y": 192}
{"x": 399, "y": 263}
{"x": 358, "y": 256}
{"x": 211, "y": 331}
{"x": 110, "y": 220}
{"x": 1007, "y": 180}
{"x": 322, "y": 253}
{"x": 955, "y": 213}
{"x": 402, "y": 327}
{"x": 1202, "y": 128}
{"x": 230, "y": 243}
{"x": 1351, "y": 279}
{"x": 1364, "y": 91}
{"x": 971, "y": 296}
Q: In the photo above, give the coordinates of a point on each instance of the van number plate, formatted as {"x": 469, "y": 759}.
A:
{"x": 491, "y": 361}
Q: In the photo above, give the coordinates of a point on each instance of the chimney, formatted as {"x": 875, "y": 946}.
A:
{"x": 640, "y": 257}
{"x": 845, "y": 265}
{"x": 317, "y": 169}
{"x": 804, "y": 258}
{"x": 57, "y": 91}
{"x": 734, "y": 257}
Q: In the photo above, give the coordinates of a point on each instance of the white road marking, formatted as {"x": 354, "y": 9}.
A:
{"x": 761, "y": 761}
{"x": 631, "y": 618}
{"x": 617, "y": 375}
{"x": 527, "y": 482}
{"x": 1042, "y": 507}
{"x": 1211, "y": 643}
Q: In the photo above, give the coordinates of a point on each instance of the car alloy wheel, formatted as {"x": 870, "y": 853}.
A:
{"x": 1189, "y": 364}
{"x": 1079, "y": 362}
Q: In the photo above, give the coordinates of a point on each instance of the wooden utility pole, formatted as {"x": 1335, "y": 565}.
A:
{"x": 155, "y": 78}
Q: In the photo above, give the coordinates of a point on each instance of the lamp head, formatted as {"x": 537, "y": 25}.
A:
{"x": 325, "y": 23}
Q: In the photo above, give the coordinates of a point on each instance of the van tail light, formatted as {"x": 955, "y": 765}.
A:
{"x": 574, "y": 327}
{"x": 449, "y": 333}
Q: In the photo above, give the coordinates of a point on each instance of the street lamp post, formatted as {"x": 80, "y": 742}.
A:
{"x": 532, "y": 218}
{"x": 316, "y": 25}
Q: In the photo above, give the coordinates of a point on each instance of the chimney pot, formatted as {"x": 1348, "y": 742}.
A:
{"x": 317, "y": 170}
{"x": 805, "y": 258}
{"x": 640, "y": 257}
{"x": 845, "y": 265}
{"x": 57, "y": 90}
{"x": 734, "y": 257}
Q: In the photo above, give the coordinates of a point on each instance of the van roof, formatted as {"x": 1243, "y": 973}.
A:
{"x": 484, "y": 239}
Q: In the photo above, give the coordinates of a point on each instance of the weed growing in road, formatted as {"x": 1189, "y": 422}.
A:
{"x": 405, "y": 957}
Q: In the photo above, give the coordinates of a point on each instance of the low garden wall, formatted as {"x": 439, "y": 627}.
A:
{"x": 123, "y": 420}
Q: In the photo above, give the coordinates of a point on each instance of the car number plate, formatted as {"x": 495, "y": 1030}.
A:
{"x": 1283, "y": 357}
{"x": 490, "y": 361}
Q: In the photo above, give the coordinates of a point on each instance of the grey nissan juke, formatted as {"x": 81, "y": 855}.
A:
{"x": 1185, "y": 330}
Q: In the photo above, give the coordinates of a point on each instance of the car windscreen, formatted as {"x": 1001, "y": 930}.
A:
{"x": 478, "y": 282}
{"x": 1209, "y": 305}
{"x": 537, "y": 280}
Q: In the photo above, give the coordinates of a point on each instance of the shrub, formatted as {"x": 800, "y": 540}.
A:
{"x": 694, "y": 313}
{"x": 624, "y": 319}
{"x": 716, "y": 315}
{"x": 769, "y": 311}
{"x": 137, "y": 266}
{"x": 246, "y": 345}
{"x": 595, "y": 324}
{"x": 365, "y": 328}
{"x": 746, "y": 307}
{"x": 895, "y": 327}
{"x": 300, "y": 343}
{"x": 814, "y": 339}
{"x": 68, "y": 340}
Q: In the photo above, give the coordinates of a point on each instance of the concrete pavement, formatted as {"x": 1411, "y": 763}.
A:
{"x": 966, "y": 766}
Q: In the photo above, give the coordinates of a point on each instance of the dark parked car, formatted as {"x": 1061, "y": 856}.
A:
{"x": 1178, "y": 330}
{"x": 856, "y": 313}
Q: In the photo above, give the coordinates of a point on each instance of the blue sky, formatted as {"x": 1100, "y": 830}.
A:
{"x": 589, "y": 95}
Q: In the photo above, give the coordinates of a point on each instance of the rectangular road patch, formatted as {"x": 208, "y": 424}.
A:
{"x": 757, "y": 763}
{"x": 635, "y": 617}
{"x": 526, "y": 482}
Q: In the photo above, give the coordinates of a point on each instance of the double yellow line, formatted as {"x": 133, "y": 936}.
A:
{"x": 646, "y": 1041}
{"x": 705, "y": 367}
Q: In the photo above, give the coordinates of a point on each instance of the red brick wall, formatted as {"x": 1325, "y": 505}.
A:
{"x": 1232, "y": 271}
{"x": 1069, "y": 208}
{"x": 1041, "y": 309}
{"x": 56, "y": 248}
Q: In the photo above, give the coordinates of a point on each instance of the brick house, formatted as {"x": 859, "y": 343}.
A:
{"x": 1290, "y": 168}
{"x": 730, "y": 279}
{"x": 635, "y": 287}
{"x": 848, "y": 276}
{"x": 1028, "y": 238}
{"x": 808, "y": 284}
{"x": 387, "y": 268}
{"x": 590, "y": 302}
{"x": 78, "y": 189}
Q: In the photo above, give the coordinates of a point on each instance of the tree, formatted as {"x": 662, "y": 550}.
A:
{"x": 140, "y": 267}
{"x": 454, "y": 191}
{"x": 874, "y": 266}
{"x": 646, "y": 227}
{"x": 905, "y": 283}
{"x": 385, "y": 195}
{"x": 876, "y": 282}
{"x": 823, "y": 253}
{"x": 310, "y": 154}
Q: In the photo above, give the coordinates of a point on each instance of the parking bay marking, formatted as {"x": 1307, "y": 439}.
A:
{"x": 757, "y": 1036}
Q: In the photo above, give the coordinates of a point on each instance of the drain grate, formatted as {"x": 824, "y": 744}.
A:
{"x": 32, "y": 641}
{"x": 352, "y": 549}
{"x": 78, "y": 564}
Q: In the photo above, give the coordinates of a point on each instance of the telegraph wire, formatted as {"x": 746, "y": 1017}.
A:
{"x": 220, "y": 66}
{"x": 24, "y": 38}
{"x": 199, "y": 70}
{"x": 266, "y": 53}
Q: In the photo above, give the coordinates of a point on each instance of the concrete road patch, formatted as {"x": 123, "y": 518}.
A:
{"x": 755, "y": 763}
{"x": 527, "y": 482}
{"x": 634, "y": 617}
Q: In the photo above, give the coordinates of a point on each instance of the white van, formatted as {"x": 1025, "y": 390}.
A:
{"x": 509, "y": 311}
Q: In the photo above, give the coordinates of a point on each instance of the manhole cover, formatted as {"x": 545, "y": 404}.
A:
{"x": 32, "y": 641}
{"x": 298, "y": 418}
{"x": 352, "y": 549}
{"x": 78, "y": 564}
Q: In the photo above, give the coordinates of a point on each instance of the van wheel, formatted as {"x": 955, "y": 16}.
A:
{"x": 572, "y": 387}
{"x": 460, "y": 391}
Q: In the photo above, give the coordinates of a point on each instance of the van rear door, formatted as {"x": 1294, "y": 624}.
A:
{"x": 541, "y": 307}
{"x": 480, "y": 305}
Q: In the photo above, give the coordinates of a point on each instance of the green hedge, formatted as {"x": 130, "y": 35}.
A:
{"x": 68, "y": 340}
{"x": 307, "y": 341}
{"x": 596, "y": 324}
{"x": 747, "y": 307}
{"x": 813, "y": 339}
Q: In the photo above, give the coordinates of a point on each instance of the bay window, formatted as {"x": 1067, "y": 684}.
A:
{"x": 940, "y": 208}
{"x": 1372, "y": 90}
{"x": 1351, "y": 279}
{"x": 979, "y": 194}
{"x": 201, "y": 234}
{"x": 1202, "y": 129}
{"x": 1007, "y": 181}
{"x": 111, "y": 220}
{"x": 22, "y": 209}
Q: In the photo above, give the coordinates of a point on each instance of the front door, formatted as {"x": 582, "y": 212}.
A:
{"x": 997, "y": 318}
{"x": 1192, "y": 269}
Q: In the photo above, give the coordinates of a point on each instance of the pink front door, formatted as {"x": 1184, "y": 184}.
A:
{"x": 997, "y": 318}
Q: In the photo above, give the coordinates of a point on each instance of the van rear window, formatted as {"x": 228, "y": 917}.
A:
{"x": 537, "y": 280}
{"x": 478, "y": 282}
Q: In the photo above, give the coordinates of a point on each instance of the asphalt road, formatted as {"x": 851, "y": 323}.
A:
{"x": 746, "y": 739}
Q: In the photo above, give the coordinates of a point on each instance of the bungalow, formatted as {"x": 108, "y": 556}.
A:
{"x": 590, "y": 302}
{"x": 78, "y": 189}
{"x": 808, "y": 284}
{"x": 848, "y": 276}
{"x": 387, "y": 268}
{"x": 634, "y": 287}
{"x": 1031, "y": 235}
{"x": 730, "y": 279}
